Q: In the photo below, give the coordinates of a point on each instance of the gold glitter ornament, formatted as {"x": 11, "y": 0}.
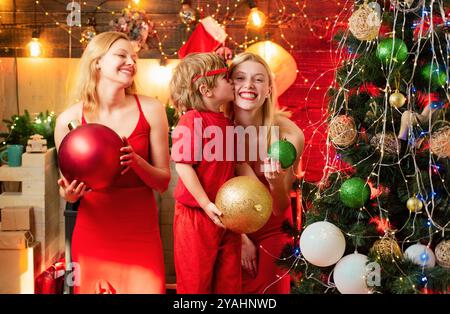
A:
{"x": 387, "y": 248}
{"x": 397, "y": 99}
{"x": 246, "y": 204}
{"x": 414, "y": 204}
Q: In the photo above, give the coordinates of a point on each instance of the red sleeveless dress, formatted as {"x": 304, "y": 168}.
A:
{"x": 269, "y": 241}
{"x": 116, "y": 238}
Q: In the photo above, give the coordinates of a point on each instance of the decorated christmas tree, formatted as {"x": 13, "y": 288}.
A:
{"x": 379, "y": 219}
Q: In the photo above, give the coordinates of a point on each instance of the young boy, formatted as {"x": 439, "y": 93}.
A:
{"x": 207, "y": 256}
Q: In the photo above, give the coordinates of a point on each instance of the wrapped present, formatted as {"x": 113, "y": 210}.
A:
{"x": 19, "y": 269}
{"x": 36, "y": 144}
{"x": 17, "y": 218}
{"x": 15, "y": 240}
{"x": 51, "y": 281}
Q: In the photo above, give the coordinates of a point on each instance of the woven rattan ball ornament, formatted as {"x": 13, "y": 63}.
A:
{"x": 387, "y": 248}
{"x": 364, "y": 23}
{"x": 442, "y": 253}
{"x": 342, "y": 131}
{"x": 387, "y": 142}
{"x": 440, "y": 143}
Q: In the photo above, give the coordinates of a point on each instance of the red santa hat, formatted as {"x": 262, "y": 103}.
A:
{"x": 207, "y": 36}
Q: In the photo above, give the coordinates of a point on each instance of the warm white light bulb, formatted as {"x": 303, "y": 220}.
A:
{"x": 35, "y": 48}
{"x": 256, "y": 18}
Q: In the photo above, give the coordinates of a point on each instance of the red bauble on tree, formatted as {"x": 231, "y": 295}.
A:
{"x": 91, "y": 154}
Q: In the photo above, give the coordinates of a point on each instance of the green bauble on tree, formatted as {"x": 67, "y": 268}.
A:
{"x": 392, "y": 47}
{"x": 354, "y": 193}
{"x": 283, "y": 151}
{"x": 434, "y": 73}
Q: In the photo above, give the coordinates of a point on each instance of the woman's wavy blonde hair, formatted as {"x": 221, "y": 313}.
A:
{"x": 185, "y": 93}
{"x": 87, "y": 77}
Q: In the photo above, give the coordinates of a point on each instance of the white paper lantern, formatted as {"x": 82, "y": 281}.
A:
{"x": 322, "y": 244}
{"x": 350, "y": 274}
{"x": 421, "y": 255}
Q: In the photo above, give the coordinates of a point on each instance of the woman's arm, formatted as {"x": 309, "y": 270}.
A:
{"x": 157, "y": 174}
{"x": 70, "y": 191}
{"x": 281, "y": 180}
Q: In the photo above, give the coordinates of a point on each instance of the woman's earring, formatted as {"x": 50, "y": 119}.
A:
{"x": 97, "y": 67}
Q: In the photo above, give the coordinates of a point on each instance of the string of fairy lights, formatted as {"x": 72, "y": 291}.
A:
{"x": 225, "y": 12}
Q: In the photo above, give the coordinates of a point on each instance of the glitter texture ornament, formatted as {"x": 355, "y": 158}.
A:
{"x": 397, "y": 99}
{"x": 442, "y": 253}
{"x": 342, "y": 131}
{"x": 440, "y": 142}
{"x": 387, "y": 142}
{"x": 434, "y": 73}
{"x": 354, "y": 192}
{"x": 387, "y": 248}
{"x": 365, "y": 23}
{"x": 246, "y": 204}
{"x": 392, "y": 49}
{"x": 284, "y": 152}
{"x": 414, "y": 204}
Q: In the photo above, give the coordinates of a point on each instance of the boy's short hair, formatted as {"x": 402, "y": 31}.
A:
{"x": 187, "y": 77}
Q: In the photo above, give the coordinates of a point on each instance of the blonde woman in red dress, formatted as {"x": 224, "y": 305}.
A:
{"x": 254, "y": 105}
{"x": 116, "y": 240}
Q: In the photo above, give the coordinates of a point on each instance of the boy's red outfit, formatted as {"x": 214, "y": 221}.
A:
{"x": 207, "y": 257}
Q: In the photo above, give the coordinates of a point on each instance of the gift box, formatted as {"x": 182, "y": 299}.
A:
{"x": 19, "y": 269}
{"x": 17, "y": 218}
{"x": 15, "y": 240}
{"x": 51, "y": 281}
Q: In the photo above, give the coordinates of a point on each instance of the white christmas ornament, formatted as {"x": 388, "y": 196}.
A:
{"x": 350, "y": 274}
{"x": 421, "y": 255}
{"x": 322, "y": 244}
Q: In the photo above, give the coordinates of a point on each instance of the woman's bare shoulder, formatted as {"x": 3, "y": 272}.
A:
{"x": 152, "y": 108}
{"x": 73, "y": 112}
{"x": 290, "y": 131}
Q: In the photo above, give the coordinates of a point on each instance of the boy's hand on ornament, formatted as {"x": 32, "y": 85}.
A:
{"x": 129, "y": 157}
{"x": 249, "y": 259}
{"x": 72, "y": 191}
{"x": 214, "y": 213}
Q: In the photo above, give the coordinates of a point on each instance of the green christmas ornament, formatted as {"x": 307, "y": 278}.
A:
{"x": 437, "y": 75}
{"x": 392, "y": 47}
{"x": 283, "y": 151}
{"x": 354, "y": 192}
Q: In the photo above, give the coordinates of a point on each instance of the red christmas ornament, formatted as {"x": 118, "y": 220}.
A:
{"x": 91, "y": 154}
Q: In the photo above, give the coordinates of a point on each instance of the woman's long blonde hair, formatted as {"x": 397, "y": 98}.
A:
{"x": 269, "y": 108}
{"x": 87, "y": 77}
